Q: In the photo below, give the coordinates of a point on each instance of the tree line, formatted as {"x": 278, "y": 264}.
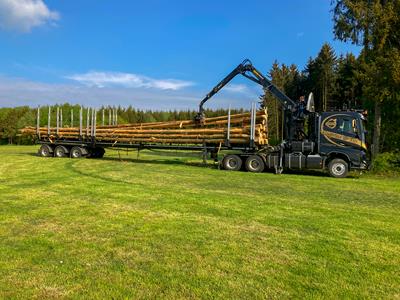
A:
{"x": 370, "y": 81}
{"x": 338, "y": 83}
{"x": 13, "y": 119}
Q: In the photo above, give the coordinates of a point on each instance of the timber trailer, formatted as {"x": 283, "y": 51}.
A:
{"x": 334, "y": 141}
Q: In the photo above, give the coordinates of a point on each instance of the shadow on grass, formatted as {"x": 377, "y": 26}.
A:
{"x": 24, "y": 154}
{"x": 156, "y": 161}
{"x": 33, "y": 154}
{"x": 71, "y": 166}
{"x": 316, "y": 173}
{"x": 178, "y": 162}
{"x": 313, "y": 173}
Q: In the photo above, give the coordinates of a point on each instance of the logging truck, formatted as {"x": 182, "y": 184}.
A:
{"x": 334, "y": 141}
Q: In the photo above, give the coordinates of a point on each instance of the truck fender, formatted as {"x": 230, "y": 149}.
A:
{"x": 335, "y": 154}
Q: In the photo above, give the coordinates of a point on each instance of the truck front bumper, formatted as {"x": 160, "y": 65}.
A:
{"x": 364, "y": 165}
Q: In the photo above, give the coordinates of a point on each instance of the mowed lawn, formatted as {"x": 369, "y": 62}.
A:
{"x": 166, "y": 227}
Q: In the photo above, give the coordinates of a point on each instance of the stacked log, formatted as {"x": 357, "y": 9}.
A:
{"x": 211, "y": 131}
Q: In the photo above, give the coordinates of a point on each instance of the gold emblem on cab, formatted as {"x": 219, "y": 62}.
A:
{"x": 331, "y": 123}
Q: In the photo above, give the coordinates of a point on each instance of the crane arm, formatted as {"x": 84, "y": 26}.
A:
{"x": 247, "y": 69}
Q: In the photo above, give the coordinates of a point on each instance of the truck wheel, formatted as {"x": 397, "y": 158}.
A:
{"x": 45, "y": 151}
{"x": 255, "y": 163}
{"x": 77, "y": 152}
{"x": 338, "y": 168}
{"x": 96, "y": 152}
{"x": 232, "y": 162}
{"x": 60, "y": 151}
{"x": 100, "y": 152}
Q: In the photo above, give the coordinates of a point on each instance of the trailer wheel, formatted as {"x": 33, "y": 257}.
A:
{"x": 338, "y": 168}
{"x": 232, "y": 162}
{"x": 254, "y": 163}
{"x": 45, "y": 151}
{"x": 77, "y": 152}
{"x": 60, "y": 151}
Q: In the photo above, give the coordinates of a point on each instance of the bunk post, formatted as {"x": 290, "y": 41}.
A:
{"x": 48, "y": 122}
{"x": 80, "y": 122}
{"x": 61, "y": 118}
{"x": 229, "y": 126}
{"x": 38, "y": 122}
{"x": 94, "y": 123}
{"x": 113, "y": 116}
{"x": 252, "y": 123}
{"x": 91, "y": 122}
{"x": 87, "y": 121}
{"x": 58, "y": 120}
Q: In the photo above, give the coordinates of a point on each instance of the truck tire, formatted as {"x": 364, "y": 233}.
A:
{"x": 255, "y": 163}
{"x": 232, "y": 162}
{"x": 45, "y": 151}
{"x": 77, "y": 152}
{"x": 100, "y": 152}
{"x": 338, "y": 168}
{"x": 60, "y": 151}
{"x": 96, "y": 152}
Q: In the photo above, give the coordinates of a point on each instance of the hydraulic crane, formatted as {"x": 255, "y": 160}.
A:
{"x": 294, "y": 112}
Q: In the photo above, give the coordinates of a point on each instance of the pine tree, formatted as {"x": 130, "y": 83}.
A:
{"x": 375, "y": 25}
{"x": 348, "y": 86}
{"x": 324, "y": 69}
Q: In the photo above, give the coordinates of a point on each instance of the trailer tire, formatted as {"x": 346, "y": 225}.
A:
{"x": 232, "y": 162}
{"x": 255, "y": 164}
{"x": 45, "y": 151}
{"x": 338, "y": 168}
{"x": 77, "y": 152}
{"x": 60, "y": 151}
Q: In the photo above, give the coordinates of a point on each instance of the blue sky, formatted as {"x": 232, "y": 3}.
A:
{"x": 151, "y": 54}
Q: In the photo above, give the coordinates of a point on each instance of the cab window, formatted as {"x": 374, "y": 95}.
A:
{"x": 347, "y": 125}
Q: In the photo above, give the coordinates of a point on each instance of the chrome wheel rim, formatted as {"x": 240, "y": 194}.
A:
{"x": 45, "y": 152}
{"x": 59, "y": 153}
{"x": 338, "y": 169}
{"x": 75, "y": 154}
{"x": 254, "y": 164}
{"x": 232, "y": 163}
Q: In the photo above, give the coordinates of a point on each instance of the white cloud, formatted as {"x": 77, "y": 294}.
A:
{"x": 128, "y": 80}
{"x": 236, "y": 88}
{"x": 18, "y": 91}
{"x": 23, "y": 15}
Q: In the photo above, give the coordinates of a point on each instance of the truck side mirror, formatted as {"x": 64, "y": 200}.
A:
{"x": 354, "y": 125}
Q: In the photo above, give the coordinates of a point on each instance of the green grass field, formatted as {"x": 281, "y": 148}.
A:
{"x": 166, "y": 227}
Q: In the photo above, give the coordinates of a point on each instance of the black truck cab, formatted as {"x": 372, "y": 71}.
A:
{"x": 342, "y": 135}
{"x": 335, "y": 141}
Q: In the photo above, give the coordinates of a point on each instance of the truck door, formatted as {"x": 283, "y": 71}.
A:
{"x": 341, "y": 130}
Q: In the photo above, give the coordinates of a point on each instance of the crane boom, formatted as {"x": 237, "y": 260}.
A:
{"x": 247, "y": 70}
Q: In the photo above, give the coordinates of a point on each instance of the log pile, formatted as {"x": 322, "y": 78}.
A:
{"x": 211, "y": 131}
